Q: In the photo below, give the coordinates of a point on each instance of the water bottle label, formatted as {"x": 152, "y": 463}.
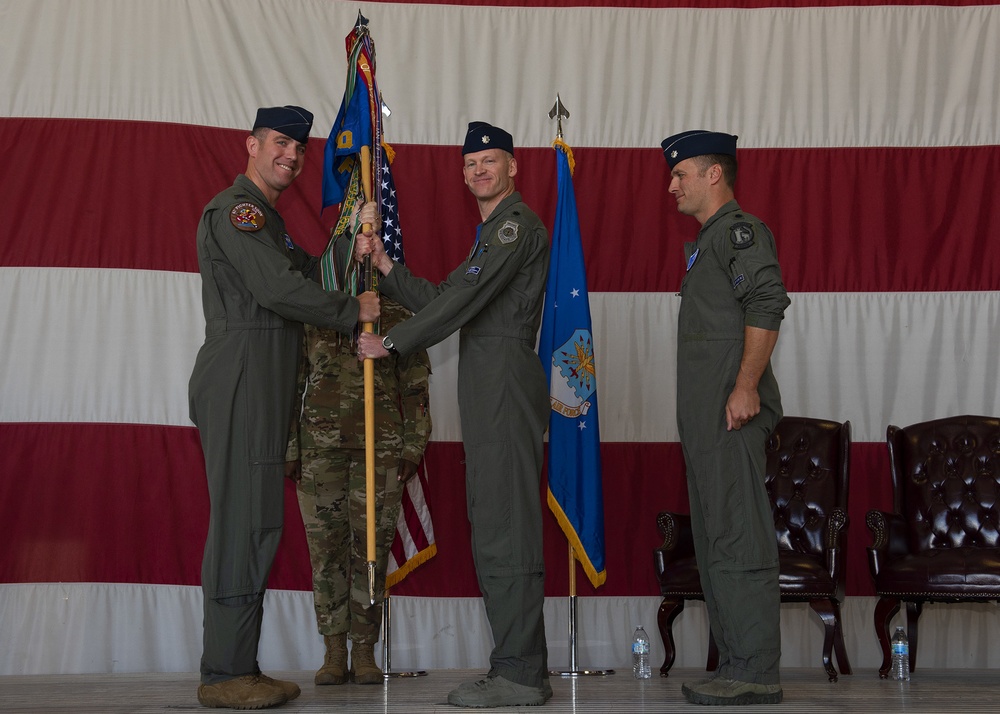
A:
{"x": 640, "y": 648}
{"x": 898, "y": 648}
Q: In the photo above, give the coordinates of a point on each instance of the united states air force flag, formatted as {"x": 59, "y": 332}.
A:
{"x": 566, "y": 348}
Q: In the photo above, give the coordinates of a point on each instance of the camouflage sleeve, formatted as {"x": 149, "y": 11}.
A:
{"x": 292, "y": 452}
{"x": 413, "y": 372}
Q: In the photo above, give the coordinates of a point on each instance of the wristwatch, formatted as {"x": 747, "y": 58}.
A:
{"x": 387, "y": 343}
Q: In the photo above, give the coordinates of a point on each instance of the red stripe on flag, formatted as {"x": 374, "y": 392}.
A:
{"x": 96, "y": 508}
{"x": 846, "y": 219}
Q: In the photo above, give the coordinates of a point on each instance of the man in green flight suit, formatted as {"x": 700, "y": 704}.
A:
{"x": 732, "y": 304}
{"x": 495, "y": 298}
{"x": 256, "y": 295}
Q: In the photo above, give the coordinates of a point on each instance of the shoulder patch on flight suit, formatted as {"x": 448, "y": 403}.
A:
{"x": 741, "y": 234}
{"x": 508, "y": 232}
{"x": 247, "y": 217}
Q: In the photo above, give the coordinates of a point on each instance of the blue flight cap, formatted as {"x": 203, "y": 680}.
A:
{"x": 699, "y": 142}
{"x": 482, "y": 136}
{"x": 293, "y": 122}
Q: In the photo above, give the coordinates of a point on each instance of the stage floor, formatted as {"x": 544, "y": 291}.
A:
{"x": 942, "y": 691}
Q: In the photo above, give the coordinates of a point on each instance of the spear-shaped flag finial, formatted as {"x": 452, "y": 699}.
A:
{"x": 362, "y": 24}
{"x": 558, "y": 112}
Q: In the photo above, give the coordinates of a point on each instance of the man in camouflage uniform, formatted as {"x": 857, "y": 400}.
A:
{"x": 329, "y": 438}
{"x": 495, "y": 298}
{"x": 732, "y": 303}
{"x": 256, "y": 294}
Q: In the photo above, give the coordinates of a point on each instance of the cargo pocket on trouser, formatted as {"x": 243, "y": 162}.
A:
{"x": 267, "y": 512}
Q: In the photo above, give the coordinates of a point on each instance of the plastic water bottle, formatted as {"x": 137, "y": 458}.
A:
{"x": 900, "y": 670}
{"x": 640, "y": 654}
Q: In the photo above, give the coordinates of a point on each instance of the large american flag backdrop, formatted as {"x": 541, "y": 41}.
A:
{"x": 869, "y": 142}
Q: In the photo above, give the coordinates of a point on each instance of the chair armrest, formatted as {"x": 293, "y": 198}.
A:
{"x": 836, "y": 527}
{"x": 678, "y": 542}
{"x": 888, "y": 538}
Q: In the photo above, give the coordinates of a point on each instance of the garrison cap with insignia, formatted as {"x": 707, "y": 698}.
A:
{"x": 293, "y": 122}
{"x": 482, "y": 136}
{"x": 699, "y": 142}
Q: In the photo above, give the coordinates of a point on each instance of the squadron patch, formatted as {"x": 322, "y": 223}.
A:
{"x": 508, "y": 232}
{"x": 247, "y": 217}
{"x": 741, "y": 235}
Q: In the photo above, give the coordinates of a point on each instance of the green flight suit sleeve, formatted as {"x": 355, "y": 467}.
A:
{"x": 443, "y": 309}
{"x": 747, "y": 247}
{"x": 274, "y": 282}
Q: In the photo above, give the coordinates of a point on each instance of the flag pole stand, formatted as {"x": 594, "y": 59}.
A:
{"x": 573, "y": 670}
{"x": 387, "y": 672}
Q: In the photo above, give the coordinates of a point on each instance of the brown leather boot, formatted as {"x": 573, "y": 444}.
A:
{"x": 363, "y": 667}
{"x": 334, "y": 669}
{"x": 246, "y": 692}
{"x": 290, "y": 689}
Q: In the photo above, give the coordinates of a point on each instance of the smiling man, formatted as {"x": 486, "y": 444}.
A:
{"x": 257, "y": 292}
{"x": 495, "y": 298}
{"x": 732, "y": 302}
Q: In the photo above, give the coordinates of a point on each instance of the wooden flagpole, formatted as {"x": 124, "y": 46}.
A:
{"x": 369, "y": 367}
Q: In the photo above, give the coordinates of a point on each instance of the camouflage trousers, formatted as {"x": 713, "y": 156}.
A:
{"x": 332, "y": 501}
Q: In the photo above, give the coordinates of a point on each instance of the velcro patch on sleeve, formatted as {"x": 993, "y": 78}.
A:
{"x": 508, "y": 232}
{"x": 247, "y": 217}
{"x": 741, "y": 235}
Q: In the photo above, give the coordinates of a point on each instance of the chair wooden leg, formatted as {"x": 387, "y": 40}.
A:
{"x": 829, "y": 612}
{"x": 838, "y": 642}
{"x": 913, "y": 610}
{"x": 884, "y": 611}
{"x": 824, "y": 609}
{"x": 670, "y": 608}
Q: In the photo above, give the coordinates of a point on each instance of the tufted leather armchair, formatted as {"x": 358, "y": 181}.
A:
{"x": 941, "y": 542}
{"x": 808, "y": 466}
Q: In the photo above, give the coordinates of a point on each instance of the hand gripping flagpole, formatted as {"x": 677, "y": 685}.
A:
{"x": 559, "y": 112}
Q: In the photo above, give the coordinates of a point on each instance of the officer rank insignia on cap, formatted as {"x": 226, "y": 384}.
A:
{"x": 247, "y": 217}
{"x": 741, "y": 235}
{"x": 485, "y": 139}
{"x": 508, "y": 232}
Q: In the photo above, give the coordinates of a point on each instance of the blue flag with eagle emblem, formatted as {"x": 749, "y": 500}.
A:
{"x": 566, "y": 348}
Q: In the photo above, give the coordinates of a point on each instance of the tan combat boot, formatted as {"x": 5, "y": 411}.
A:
{"x": 363, "y": 667}
{"x": 334, "y": 669}
{"x": 246, "y": 692}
